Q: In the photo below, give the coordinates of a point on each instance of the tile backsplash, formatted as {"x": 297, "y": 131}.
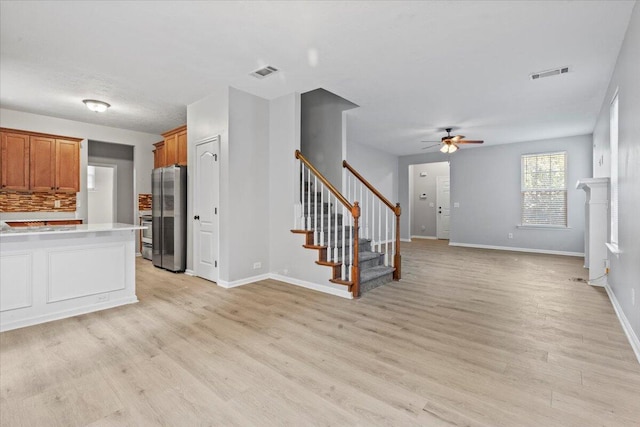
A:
{"x": 144, "y": 202}
{"x": 37, "y": 202}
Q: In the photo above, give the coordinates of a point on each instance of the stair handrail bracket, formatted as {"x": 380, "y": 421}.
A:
{"x": 384, "y": 237}
{"x": 330, "y": 223}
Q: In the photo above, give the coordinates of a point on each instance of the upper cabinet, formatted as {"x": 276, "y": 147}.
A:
{"x": 14, "y": 161}
{"x": 173, "y": 150}
{"x": 39, "y": 163}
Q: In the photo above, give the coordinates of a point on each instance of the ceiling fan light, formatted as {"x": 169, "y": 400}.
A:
{"x": 452, "y": 148}
{"x": 445, "y": 149}
{"x": 95, "y": 105}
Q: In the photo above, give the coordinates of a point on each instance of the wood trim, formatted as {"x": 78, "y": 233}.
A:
{"x": 173, "y": 131}
{"x": 345, "y": 164}
{"x": 44, "y": 135}
{"x": 324, "y": 180}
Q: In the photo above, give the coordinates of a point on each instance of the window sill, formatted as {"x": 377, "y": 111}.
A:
{"x": 614, "y": 249}
{"x": 543, "y": 227}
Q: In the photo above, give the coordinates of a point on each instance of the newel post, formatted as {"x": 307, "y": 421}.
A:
{"x": 355, "y": 267}
{"x": 397, "y": 259}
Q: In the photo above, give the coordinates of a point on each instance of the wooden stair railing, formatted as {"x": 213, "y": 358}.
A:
{"x": 331, "y": 225}
{"x": 374, "y": 226}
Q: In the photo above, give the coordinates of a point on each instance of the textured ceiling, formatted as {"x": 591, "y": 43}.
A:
{"x": 412, "y": 67}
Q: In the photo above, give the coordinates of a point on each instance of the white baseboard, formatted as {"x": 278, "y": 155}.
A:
{"x": 509, "y": 248}
{"x": 425, "y": 237}
{"x": 314, "y": 286}
{"x": 189, "y": 272}
{"x": 67, "y": 313}
{"x": 286, "y": 279}
{"x": 240, "y": 282}
{"x": 626, "y": 326}
{"x": 406, "y": 240}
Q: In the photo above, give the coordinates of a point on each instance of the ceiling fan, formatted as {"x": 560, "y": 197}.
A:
{"x": 450, "y": 143}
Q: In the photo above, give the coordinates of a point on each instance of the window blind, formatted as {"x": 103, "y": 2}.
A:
{"x": 544, "y": 189}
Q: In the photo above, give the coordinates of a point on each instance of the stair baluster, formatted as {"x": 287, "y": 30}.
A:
{"x": 387, "y": 234}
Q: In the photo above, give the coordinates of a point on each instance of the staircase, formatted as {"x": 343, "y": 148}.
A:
{"x": 331, "y": 226}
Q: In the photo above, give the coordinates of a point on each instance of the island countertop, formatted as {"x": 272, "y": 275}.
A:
{"x": 7, "y": 231}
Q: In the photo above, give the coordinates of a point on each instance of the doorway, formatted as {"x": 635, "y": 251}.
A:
{"x": 102, "y": 193}
{"x": 428, "y": 185}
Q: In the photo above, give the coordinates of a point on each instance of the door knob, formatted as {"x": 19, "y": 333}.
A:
{"x": 196, "y": 217}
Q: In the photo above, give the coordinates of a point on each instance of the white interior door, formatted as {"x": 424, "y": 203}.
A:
{"x": 443, "y": 200}
{"x": 205, "y": 209}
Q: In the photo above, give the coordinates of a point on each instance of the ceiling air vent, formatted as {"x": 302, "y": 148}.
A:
{"x": 549, "y": 73}
{"x": 264, "y": 72}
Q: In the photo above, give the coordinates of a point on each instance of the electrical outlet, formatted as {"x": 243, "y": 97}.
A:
{"x": 511, "y": 235}
{"x": 456, "y": 204}
{"x": 56, "y": 204}
{"x": 257, "y": 265}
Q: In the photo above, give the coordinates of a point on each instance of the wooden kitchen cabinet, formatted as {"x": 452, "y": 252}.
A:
{"x": 159, "y": 159}
{"x": 42, "y": 174}
{"x": 181, "y": 147}
{"x": 67, "y": 170}
{"x": 173, "y": 150}
{"x": 54, "y": 165}
{"x": 14, "y": 161}
{"x": 49, "y": 162}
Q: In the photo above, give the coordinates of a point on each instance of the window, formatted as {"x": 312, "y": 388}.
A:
{"x": 613, "y": 140}
{"x": 544, "y": 189}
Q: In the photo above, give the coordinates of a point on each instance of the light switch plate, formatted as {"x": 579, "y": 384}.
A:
{"x": 456, "y": 205}
{"x": 56, "y": 203}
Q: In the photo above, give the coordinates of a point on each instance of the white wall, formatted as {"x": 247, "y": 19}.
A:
{"x": 247, "y": 219}
{"x": 423, "y": 215}
{"x": 142, "y": 143}
{"x": 288, "y": 259}
{"x": 207, "y": 118}
{"x": 624, "y": 275}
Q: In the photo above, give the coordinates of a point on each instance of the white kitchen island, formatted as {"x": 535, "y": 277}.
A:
{"x": 49, "y": 273}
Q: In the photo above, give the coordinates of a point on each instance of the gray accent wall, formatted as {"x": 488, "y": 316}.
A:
{"x": 485, "y": 182}
{"x": 423, "y": 214}
{"x": 321, "y": 132}
{"x": 377, "y": 167}
{"x": 624, "y": 274}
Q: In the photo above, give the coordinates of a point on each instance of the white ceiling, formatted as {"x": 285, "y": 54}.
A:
{"x": 412, "y": 67}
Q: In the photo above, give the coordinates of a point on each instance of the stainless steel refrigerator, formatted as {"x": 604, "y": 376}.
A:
{"x": 169, "y": 216}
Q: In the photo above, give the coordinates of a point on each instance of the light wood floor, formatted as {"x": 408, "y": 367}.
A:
{"x": 468, "y": 337}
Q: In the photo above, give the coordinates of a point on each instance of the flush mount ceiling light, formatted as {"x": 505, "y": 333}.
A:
{"x": 95, "y": 105}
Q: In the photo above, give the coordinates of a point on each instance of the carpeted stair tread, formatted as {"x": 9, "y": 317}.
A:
{"x": 374, "y": 272}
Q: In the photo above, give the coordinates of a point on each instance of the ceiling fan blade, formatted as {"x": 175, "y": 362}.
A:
{"x": 457, "y": 138}
{"x": 430, "y": 146}
{"x": 470, "y": 141}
